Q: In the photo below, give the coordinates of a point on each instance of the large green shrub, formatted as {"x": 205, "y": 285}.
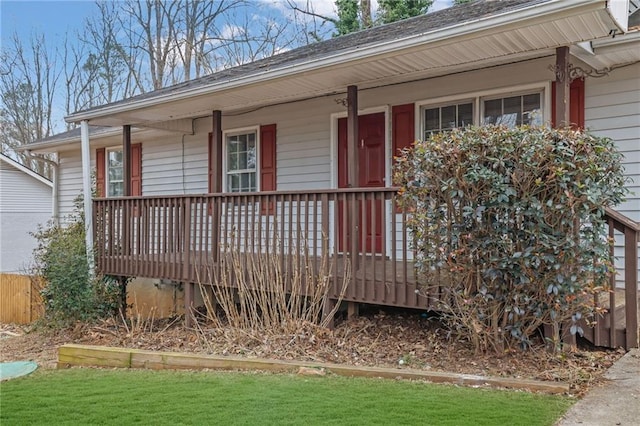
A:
{"x": 509, "y": 223}
{"x": 70, "y": 293}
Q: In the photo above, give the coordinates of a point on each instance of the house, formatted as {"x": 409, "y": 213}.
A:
{"x": 297, "y": 149}
{"x": 25, "y": 203}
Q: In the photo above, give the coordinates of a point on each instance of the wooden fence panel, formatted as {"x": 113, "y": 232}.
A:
{"x": 20, "y": 299}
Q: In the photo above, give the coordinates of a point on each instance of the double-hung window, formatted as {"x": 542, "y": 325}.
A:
{"x": 115, "y": 173}
{"x": 442, "y": 118}
{"x": 508, "y": 110}
{"x": 241, "y": 170}
{"x": 514, "y": 110}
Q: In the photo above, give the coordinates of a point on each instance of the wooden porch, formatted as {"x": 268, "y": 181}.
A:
{"x": 357, "y": 234}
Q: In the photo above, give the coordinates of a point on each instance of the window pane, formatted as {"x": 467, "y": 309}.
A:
{"x": 242, "y": 142}
{"x": 532, "y": 113}
{"x": 233, "y": 183}
{"x": 448, "y": 117}
{"x": 115, "y": 158}
{"x": 251, "y": 155}
{"x": 465, "y": 115}
{"x": 492, "y": 111}
{"x": 242, "y": 161}
{"x": 115, "y": 174}
{"x": 431, "y": 120}
{"x": 246, "y": 184}
{"x": 511, "y": 116}
{"x": 116, "y": 189}
{"x": 232, "y": 161}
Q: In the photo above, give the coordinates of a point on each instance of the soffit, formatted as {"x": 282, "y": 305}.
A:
{"x": 494, "y": 46}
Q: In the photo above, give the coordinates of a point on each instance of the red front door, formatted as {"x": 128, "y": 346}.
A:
{"x": 371, "y": 174}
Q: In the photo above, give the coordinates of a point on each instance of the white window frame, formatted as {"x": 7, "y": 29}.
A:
{"x": 466, "y": 100}
{"x": 107, "y": 179}
{"x": 478, "y": 97}
{"x": 235, "y": 132}
{"x": 513, "y": 94}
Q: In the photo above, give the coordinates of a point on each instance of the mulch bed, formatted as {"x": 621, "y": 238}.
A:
{"x": 402, "y": 339}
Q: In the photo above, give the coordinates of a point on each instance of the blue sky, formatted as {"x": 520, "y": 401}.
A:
{"x": 53, "y": 17}
{"x": 57, "y": 17}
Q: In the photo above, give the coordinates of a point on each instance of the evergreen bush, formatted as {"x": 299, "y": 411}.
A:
{"x": 70, "y": 294}
{"x": 510, "y": 224}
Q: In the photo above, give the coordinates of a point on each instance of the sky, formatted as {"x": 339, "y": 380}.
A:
{"x": 56, "y": 17}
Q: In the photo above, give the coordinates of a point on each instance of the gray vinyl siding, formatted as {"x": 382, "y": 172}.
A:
{"x": 25, "y": 204}
{"x": 612, "y": 109}
{"x": 70, "y": 184}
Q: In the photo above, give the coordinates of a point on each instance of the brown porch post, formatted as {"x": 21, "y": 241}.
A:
{"x": 353, "y": 181}
{"x": 126, "y": 159}
{"x": 126, "y": 187}
{"x": 563, "y": 81}
{"x": 631, "y": 287}
{"x": 215, "y": 148}
{"x": 562, "y": 119}
{"x": 352, "y": 135}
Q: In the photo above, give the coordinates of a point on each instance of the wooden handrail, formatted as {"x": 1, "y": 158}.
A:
{"x": 631, "y": 232}
{"x": 259, "y": 194}
{"x": 620, "y": 221}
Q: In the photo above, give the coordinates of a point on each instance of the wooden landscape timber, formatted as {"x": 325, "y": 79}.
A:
{"x": 72, "y": 355}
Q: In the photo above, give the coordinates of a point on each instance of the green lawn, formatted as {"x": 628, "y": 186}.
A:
{"x": 123, "y": 397}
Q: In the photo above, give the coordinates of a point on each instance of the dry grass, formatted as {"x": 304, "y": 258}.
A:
{"x": 252, "y": 295}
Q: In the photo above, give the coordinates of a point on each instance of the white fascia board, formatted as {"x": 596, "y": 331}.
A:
{"x": 631, "y": 37}
{"x": 562, "y": 8}
{"x": 53, "y": 146}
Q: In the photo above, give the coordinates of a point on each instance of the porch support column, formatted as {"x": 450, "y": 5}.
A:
{"x": 352, "y": 135}
{"x": 126, "y": 159}
{"x": 352, "y": 161}
{"x": 563, "y": 81}
{"x": 216, "y": 150}
{"x": 216, "y": 180}
{"x": 87, "y": 194}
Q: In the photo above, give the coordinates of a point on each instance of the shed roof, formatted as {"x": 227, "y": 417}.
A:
{"x": 13, "y": 163}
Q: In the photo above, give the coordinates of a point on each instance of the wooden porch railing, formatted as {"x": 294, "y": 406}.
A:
{"x": 618, "y": 326}
{"x": 182, "y": 238}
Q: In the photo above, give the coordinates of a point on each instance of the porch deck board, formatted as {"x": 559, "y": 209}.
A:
{"x": 379, "y": 283}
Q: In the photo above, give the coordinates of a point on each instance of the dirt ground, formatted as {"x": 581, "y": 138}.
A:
{"x": 384, "y": 339}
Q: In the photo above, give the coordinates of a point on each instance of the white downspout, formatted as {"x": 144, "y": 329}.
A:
{"x": 87, "y": 194}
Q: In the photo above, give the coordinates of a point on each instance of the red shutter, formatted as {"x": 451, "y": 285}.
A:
{"x": 576, "y": 108}
{"x": 576, "y": 104}
{"x": 136, "y": 169}
{"x": 268, "y": 162}
{"x": 403, "y": 127}
{"x": 100, "y": 172}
